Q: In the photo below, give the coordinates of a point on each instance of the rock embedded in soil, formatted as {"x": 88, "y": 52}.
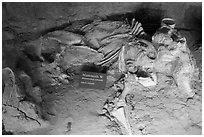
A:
{"x": 65, "y": 37}
{"x": 19, "y": 116}
{"x": 77, "y": 56}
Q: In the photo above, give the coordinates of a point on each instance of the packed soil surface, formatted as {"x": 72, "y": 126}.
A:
{"x": 152, "y": 113}
{"x": 79, "y": 106}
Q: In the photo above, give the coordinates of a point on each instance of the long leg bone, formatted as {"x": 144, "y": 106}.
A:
{"x": 116, "y": 111}
{"x": 120, "y": 114}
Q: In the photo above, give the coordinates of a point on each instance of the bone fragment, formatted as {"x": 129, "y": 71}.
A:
{"x": 120, "y": 115}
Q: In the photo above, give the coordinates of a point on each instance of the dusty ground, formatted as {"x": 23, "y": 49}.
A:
{"x": 151, "y": 112}
{"x": 73, "y": 110}
{"x": 81, "y": 108}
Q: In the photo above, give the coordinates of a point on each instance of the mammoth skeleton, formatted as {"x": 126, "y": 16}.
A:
{"x": 140, "y": 61}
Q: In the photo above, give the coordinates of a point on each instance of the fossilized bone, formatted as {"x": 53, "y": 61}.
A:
{"x": 174, "y": 59}
{"x": 120, "y": 111}
{"x": 134, "y": 56}
{"x": 9, "y": 90}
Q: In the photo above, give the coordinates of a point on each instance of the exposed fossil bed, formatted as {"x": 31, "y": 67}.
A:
{"x": 50, "y": 82}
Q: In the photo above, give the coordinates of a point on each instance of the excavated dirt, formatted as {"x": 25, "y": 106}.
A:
{"x": 68, "y": 109}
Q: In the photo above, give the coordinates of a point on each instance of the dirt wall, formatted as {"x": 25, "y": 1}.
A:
{"x": 37, "y": 16}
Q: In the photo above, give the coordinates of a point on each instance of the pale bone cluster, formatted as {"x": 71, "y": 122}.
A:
{"x": 172, "y": 58}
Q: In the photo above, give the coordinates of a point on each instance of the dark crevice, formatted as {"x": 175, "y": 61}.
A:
{"x": 77, "y": 31}
{"x": 150, "y": 18}
{"x": 49, "y": 57}
{"x": 90, "y": 67}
